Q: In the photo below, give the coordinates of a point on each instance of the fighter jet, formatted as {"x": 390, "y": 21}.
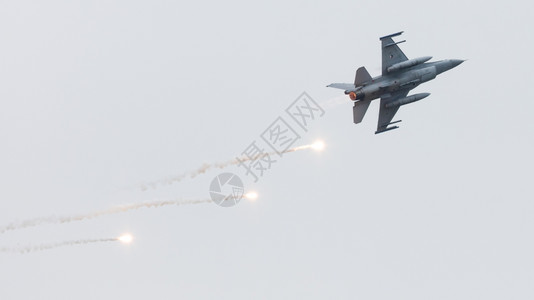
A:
{"x": 399, "y": 76}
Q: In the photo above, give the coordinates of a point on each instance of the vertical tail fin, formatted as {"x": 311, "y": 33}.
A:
{"x": 362, "y": 76}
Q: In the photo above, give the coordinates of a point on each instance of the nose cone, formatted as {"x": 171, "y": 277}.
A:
{"x": 446, "y": 65}
{"x": 455, "y": 62}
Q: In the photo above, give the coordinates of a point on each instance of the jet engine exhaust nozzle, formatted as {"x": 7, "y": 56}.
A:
{"x": 356, "y": 95}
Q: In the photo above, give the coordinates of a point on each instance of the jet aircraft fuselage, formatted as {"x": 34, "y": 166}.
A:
{"x": 399, "y": 76}
{"x": 403, "y": 79}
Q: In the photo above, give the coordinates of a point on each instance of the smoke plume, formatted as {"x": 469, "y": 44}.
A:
{"x": 221, "y": 165}
{"x": 110, "y": 211}
{"x": 41, "y": 247}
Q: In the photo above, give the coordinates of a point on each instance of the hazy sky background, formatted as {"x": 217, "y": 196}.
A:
{"x": 98, "y": 96}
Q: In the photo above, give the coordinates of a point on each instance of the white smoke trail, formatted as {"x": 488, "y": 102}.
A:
{"x": 221, "y": 165}
{"x": 113, "y": 210}
{"x": 41, "y": 247}
{"x": 334, "y": 102}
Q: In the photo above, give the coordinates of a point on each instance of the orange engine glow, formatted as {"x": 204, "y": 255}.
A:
{"x": 352, "y": 96}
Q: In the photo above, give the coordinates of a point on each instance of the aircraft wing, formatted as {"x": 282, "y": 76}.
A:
{"x": 386, "y": 114}
{"x": 391, "y": 53}
{"x": 343, "y": 86}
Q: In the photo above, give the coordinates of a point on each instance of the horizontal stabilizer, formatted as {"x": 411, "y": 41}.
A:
{"x": 359, "y": 110}
{"x": 362, "y": 76}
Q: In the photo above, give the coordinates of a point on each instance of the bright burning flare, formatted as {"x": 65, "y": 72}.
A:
{"x": 251, "y": 196}
{"x": 318, "y": 145}
{"x": 125, "y": 238}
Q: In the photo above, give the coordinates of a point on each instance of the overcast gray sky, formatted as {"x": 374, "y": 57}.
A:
{"x": 98, "y": 96}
